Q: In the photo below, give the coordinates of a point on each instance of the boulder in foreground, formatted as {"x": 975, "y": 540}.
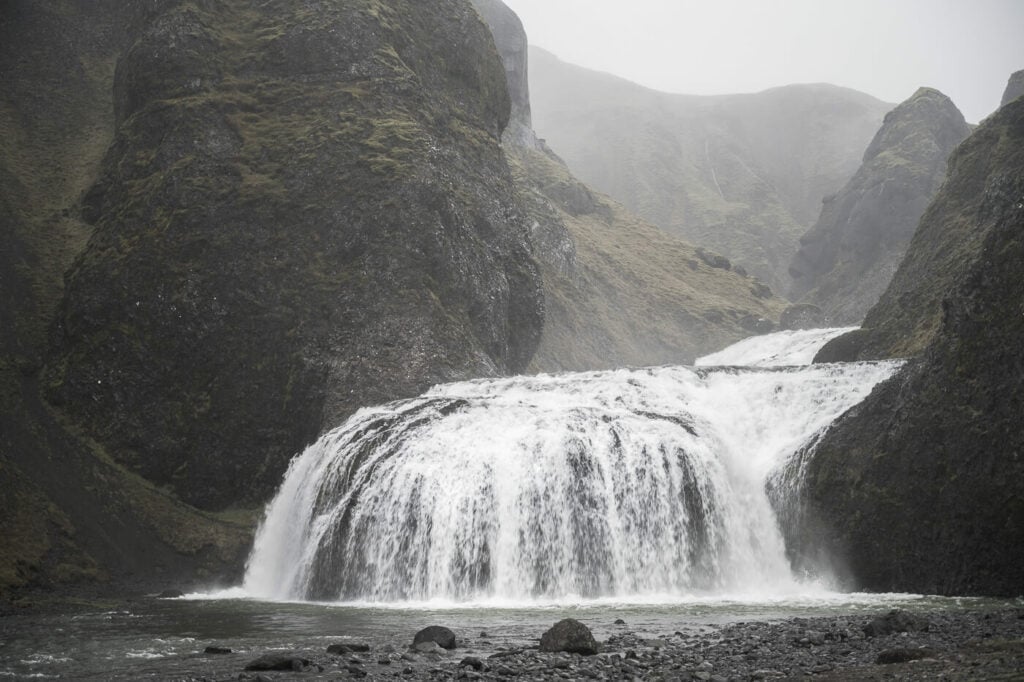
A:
{"x": 569, "y": 635}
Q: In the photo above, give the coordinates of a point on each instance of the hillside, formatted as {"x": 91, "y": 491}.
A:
{"x": 618, "y": 291}
{"x": 743, "y": 175}
{"x": 848, "y": 258}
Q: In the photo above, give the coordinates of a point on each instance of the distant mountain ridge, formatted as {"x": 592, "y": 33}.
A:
{"x": 743, "y": 175}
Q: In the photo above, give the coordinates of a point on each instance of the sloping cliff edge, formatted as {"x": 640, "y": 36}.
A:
{"x": 921, "y": 487}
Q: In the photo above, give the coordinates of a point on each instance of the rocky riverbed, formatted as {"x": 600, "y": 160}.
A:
{"x": 216, "y": 640}
{"x": 900, "y": 645}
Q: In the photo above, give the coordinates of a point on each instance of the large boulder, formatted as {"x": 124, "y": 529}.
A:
{"x": 571, "y": 636}
{"x": 436, "y": 634}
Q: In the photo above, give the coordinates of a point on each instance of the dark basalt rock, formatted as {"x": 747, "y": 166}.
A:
{"x": 571, "y": 636}
{"x": 216, "y": 650}
{"x": 896, "y": 621}
{"x": 843, "y": 348}
{"x": 846, "y": 260}
{"x": 348, "y": 648}
{"x": 280, "y": 661}
{"x": 438, "y": 634}
{"x": 289, "y": 227}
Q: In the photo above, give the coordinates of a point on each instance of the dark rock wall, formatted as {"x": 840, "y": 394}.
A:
{"x": 303, "y": 211}
{"x": 920, "y": 488}
{"x": 848, "y": 258}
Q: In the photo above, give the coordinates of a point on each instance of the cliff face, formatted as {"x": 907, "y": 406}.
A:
{"x": 848, "y": 258}
{"x": 946, "y": 245}
{"x": 302, "y": 212}
{"x": 510, "y": 39}
{"x": 67, "y": 512}
{"x": 920, "y": 487}
{"x": 742, "y": 175}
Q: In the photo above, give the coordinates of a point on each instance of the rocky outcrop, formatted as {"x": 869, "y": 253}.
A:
{"x": 921, "y": 487}
{"x": 945, "y": 247}
{"x": 303, "y": 212}
{"x": 510, "y": 39}
{"x": 848, "y": 258}
{"x": 1014, "y": 88}
{"x": 741, "y": 175}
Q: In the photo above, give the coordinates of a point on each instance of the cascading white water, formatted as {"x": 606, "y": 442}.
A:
{"x": 781, "y": 349}
{"x": 618, "y": 483}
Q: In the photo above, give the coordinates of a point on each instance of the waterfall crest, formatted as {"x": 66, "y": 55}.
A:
{"x": 617, "y": 483}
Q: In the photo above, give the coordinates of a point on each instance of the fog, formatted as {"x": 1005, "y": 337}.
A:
{"x": 887, "y": 48}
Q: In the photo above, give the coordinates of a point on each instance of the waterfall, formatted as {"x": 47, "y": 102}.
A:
{"x": 617, "y": 483}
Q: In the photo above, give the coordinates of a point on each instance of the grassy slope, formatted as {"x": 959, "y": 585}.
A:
{"x": 637, "y": 295}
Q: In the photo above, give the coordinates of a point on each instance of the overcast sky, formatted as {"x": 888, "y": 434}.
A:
{"x": 888, "y": 48}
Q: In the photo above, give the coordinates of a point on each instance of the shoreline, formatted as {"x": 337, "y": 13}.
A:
{"x": 957, "y": 644}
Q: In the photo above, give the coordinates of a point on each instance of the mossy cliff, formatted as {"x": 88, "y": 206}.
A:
{"x": 848, "y": 258}
{"x": 227, "y": 227}
{"x": 68, "y": 513}
{"x": 304, "y": 210}
{"x": 921, "y": 487}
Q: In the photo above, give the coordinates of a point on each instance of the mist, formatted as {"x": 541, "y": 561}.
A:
{"x": 884, "y": 48}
